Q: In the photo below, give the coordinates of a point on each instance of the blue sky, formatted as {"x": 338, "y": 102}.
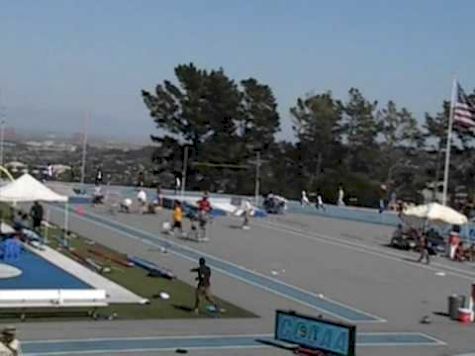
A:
{"x": 59, "y": 58}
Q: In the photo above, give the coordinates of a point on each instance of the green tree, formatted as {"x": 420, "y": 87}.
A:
{"x": 398, "y": 128}
{"x": 317, "y": 120}
{"x": 260, "y": 120}
{"x": 400, "y": 136}
{"x": 256, "y": 130}
{"x": 177, "y": 113}
{"x": 361, "y": 130}
{"x": 436, "y": 139}
{"x": 281, "y": 174}
{"x": 222, "y": 121}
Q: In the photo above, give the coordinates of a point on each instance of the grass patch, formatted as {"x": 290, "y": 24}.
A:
{"x": 136, "y": 280}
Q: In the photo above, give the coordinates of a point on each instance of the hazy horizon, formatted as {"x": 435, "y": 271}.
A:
{"x": 67, "y": 123}
{"x": 61, "y": 59}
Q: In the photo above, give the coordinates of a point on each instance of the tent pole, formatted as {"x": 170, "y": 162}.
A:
{"x": 66, "y": 217}
{"x": 46, "y": 226}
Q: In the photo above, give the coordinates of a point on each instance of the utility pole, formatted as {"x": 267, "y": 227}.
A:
{"x": 2, "y": 129}
{"x": 183, "y": 172}
{"x": 258, "y": 178}
{"x": 84, "y": 144}
{"x": 2, "y": 140}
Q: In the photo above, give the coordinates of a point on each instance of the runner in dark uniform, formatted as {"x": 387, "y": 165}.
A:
{"x": 424, "y": 249}
{"x": 203, "y": 287}
{"x": 36, "y": 213}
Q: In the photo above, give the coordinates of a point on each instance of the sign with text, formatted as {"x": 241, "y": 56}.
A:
{"x": 331, "y": 337}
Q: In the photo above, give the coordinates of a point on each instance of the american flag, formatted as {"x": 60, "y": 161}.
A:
{"x": 464, "y": 109}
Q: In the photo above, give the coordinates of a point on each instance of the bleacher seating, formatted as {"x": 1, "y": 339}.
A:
{"x": 10, "y": 250}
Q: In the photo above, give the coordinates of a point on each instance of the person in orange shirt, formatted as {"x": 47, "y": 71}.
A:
{"x": 178, "y": 217}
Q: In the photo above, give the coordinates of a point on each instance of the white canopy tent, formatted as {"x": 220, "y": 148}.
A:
{"x": 28, "y": 189}
{"x": 435, "y": 213}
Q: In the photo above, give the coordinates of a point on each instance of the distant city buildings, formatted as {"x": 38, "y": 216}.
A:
{"x": 16, "y": 166}
{"x": 77, "y": 138}
{"x": 10, "y": 134}
{"x": 34, "y": 153}
{"x": 50, "y": 145}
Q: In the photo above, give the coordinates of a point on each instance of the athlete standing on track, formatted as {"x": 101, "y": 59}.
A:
{"x": 424, "y": 249}
{"x": 204, "y": 284}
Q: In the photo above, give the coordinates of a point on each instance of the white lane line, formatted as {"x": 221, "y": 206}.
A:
{"x": 145, "y": 350}
{"x": 398, "y": 333}
{"x": 160, "y": 337}
{"x": 397, "y": 344}
{"x": 438, "y": 341}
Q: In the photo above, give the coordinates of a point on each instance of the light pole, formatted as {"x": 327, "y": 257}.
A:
{"x": 84, "y": 148}
{"x": 183, "y": 172}
{"x": 258, "y": 178}
{"x": 2, "y": 129}
{"x": 2, "y": 140}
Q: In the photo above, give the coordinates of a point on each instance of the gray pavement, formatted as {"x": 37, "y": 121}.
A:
{"x": 344, "y": 261}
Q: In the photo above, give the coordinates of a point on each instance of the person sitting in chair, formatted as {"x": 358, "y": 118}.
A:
{"x": 460, "y": 252}
{"x": 125, "y": 205}
{"x": 98, "y": 196}
{"x": 399, "y": 232}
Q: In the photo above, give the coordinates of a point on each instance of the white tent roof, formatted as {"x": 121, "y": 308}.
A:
{"x": 27, "y": 189}
{"x": 436, "y": 213}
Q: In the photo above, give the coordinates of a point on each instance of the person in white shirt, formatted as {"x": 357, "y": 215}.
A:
{"x": 98, "y": 197}
{"x": 142, "y": 199}
{"x": 247, "y": 211}
{"x": 50, "y": 172}
{"x": 304, "y": 199}
{"x": 177, "y": 185}
{"x": 320, "y": 204}
{"x": 341, "y": 195}
{"x": 99, "y": 176}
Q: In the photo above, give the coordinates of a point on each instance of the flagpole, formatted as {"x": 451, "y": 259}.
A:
{"x": 84, "y": 147}
{"x": 449, "y": 143}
